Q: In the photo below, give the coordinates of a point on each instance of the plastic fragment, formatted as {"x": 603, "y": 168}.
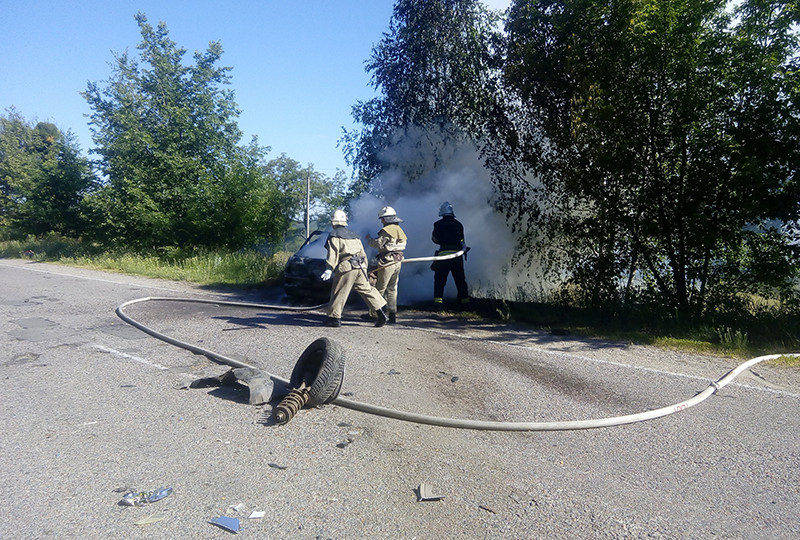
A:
{"x": 227, "y": 523}
{"x": 155, "y": 518}
{"x": 141, "y": 498}
{"x": 257, "y": 514}
{"x": 425, "y": 493}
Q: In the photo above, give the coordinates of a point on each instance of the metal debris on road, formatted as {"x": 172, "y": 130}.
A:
{"x": 144, "y": 497}
{"x": 227, "y": 523}
{"x": 425, "y": 493}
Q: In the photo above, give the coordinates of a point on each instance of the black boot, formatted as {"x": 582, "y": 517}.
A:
{"x": 381, "y": 317}
{"x": 392, "y": 317}
{"x": 330, "y": 321}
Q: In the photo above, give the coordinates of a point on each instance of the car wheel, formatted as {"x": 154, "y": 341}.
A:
{"x": 321, "y": 368}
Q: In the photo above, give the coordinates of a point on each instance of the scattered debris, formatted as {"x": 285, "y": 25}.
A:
{"x": 276, "y": 466}
{"x": 236, "y": 507}
{"x": 393, "y": 372}
{"x": 487, "y": 509}
{"x": 344, "y": 443}
{"x": 425, "y": 493}
{"x": 149, "y": 520}
{"x": 454, "y": 379}
{"x": 257, "y": 514}
{"x": 261, "y": 387}
{"x": 227, "y": 523}
{"x": 141, "y": 498}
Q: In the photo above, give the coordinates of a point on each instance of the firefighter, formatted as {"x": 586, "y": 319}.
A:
{"x": 390, "y": 243}
{"x": 448, "y": 233}
{"x": 347, "y": 264}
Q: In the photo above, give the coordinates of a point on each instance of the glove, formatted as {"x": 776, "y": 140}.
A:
{"x": 326, "y": 275}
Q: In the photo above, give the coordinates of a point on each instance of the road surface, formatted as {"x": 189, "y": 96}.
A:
{"x": 92, "y": 407}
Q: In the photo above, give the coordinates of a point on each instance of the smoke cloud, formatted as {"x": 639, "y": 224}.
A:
{"x": 445, "y": 171}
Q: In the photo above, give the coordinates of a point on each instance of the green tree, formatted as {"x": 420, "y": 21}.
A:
{"x": 167, "y": 138}
{"x": 436, "y": 70}
{"x": 293, "y": 182}
{"x": 43, "y": 178}
{"x": 665, "y": 141}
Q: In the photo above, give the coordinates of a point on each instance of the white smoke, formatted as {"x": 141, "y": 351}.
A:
{"x": 445, "y": 171}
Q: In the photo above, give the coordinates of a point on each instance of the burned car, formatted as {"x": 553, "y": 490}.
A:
{"x": 301, "y": 277}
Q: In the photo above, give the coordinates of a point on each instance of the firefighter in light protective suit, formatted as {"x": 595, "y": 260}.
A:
{"x": 347, "y": 264}
{"x": 390, "y": 243}
{"x": 448, "y": 233}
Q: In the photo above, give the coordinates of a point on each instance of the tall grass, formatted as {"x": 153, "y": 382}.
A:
{"x": 241, "y": 268}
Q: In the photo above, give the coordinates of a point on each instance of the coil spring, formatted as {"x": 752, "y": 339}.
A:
{"x": 292, "y": 403}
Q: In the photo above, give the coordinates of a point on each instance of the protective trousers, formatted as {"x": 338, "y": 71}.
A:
{"x": 343, "y": 283}
{"x": 450, "y": 266}
{"x": 387, "y": 286}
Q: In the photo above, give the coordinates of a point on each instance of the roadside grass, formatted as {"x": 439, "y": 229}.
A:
{"x": 764, "y": 332}
{"x": 245, "y": 268}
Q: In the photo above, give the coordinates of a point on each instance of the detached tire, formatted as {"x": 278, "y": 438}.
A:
{"x": 321, "y": 368}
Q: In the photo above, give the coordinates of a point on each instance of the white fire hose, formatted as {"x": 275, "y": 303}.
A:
{"x": 438, "y": 420}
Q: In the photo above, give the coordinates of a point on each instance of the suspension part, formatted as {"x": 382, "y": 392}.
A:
{"x": 293, "y": 402}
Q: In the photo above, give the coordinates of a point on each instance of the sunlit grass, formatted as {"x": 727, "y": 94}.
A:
{"x": 786, "y": 360}
{"x": 241, "y": 268}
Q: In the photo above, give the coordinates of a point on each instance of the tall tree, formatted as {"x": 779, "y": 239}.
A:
{"x": 297, "y": 183}
{"x": 435, "y": 69}
{"x": 43, "y": 178}
{"x": 661, "y": 130}
{"x": 167, "y": 137}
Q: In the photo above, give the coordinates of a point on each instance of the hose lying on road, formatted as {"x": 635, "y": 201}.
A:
{"x": 436, "y": 420}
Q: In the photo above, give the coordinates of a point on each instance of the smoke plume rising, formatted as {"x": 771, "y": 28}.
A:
{"x": 450, "y": 172}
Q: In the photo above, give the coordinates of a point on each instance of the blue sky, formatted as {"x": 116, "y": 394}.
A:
{"x": 298, "y": 65}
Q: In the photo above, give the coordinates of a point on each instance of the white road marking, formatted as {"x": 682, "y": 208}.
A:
{"x": 129, "y": 356}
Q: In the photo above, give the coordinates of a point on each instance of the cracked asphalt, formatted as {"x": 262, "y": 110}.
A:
{"x": 93, "y": 407}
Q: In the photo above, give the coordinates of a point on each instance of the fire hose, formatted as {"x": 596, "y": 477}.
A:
{"x": 712, "y": 388}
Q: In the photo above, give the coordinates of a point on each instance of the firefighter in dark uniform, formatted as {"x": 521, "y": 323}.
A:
{"x": 448, "y": 233}
{"x": 347, "y": 265}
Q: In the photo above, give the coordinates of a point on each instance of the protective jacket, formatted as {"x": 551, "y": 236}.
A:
{"x": 449, "y": 234}
{"x": 390, "y": 243}
{"x": 345, "y": 251}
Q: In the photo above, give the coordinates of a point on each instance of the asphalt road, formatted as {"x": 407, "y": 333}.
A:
{"x": 92, "y": 406}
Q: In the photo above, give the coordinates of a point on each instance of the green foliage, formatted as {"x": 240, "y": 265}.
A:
{"x": 434, "y": 69}
{"x": 732, "y": 339}
{"x": 665, "y": 139}
{"x": 293, "y": 182}
{"x": 242, "y": 268}
{"x": 167, "y": 137}
{"x": 43, "y": 178}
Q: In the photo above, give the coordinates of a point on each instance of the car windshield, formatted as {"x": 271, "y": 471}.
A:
{"x": 314, "y": 248}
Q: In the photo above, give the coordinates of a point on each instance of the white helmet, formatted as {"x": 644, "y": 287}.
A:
{"x": 446, "y": 209}
{"x": 388, "y": 215}
{"x": 339, "y": 218}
